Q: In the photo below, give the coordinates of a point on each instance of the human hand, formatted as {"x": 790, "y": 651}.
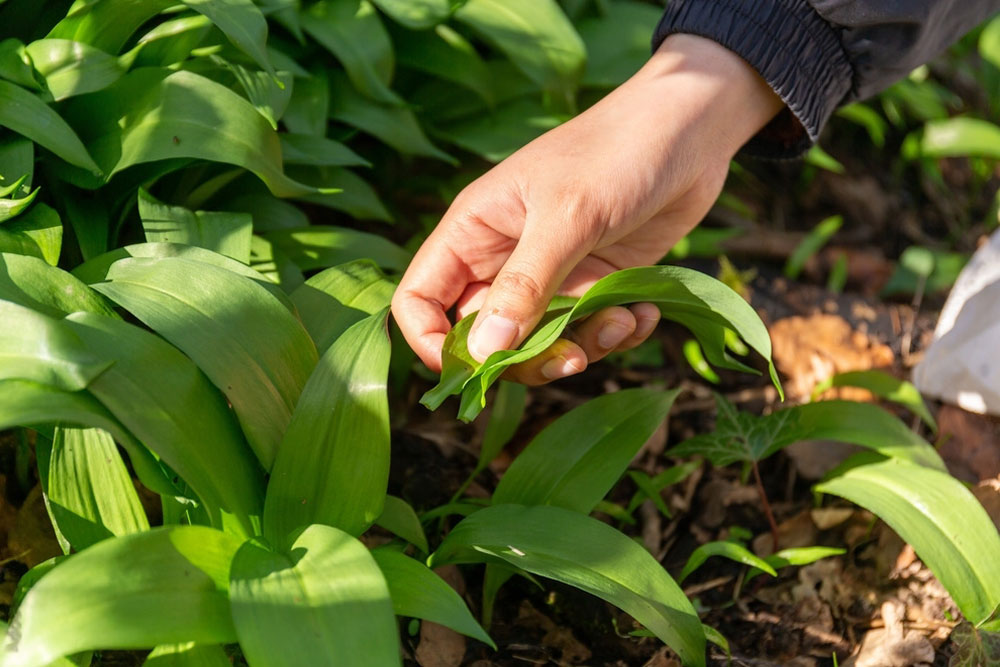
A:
{"x": 613, "y": 188}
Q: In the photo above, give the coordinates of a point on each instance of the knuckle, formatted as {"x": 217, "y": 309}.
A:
{"x": 521, "y": 285}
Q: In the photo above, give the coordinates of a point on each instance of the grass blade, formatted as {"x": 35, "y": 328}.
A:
{"x": 730, "y": 550}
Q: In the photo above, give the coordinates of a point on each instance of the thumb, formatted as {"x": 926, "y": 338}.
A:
{"x": 519, "y": 295}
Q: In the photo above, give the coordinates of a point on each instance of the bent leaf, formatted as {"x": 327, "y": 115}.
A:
{"x": 936, "y": 515}
{"x": 584, "y": 553}
{"x": 73, "y": 68}
{"x": 417, "y": 592}
{"x": 325, "y": 602}
{"x": 32, "y": 283}
{"x": 333, "y": 464}
{"x": 703, "y": 304}
{"x": 576, "y": 460}
{"x": 884, "y": 386}
{"x": 38, "y": 233}
{"x": 730, "y": 550}
{"x": 164, "y": 586}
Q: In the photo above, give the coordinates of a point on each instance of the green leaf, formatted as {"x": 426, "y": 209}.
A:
{"x": 309, "y": 107}
{"x": 333, "y": 300}
{"x": 739, "y": 436}
{"x": 617, "y": 42}
{"x": 25, "y": 403}
{"x": 496, "y": 134}
{"x": 703, "y": 304}
{"x": 868, "y": 118}
{"x": 399, "y": 519}
{"x": 88, "y": 490}
{"x": 884, "y": 386}
{"x": 243, "y": 24}
{"x": 508, "y": 408}
{"x": 818, "y": 157}
{"x": 535, "y": 35}
{"x": 811, "y": 244}
{"x": 973, "y": 647}
{"x": 393, "y": 125}
{"x": 187, "y": 655}
{"x": 954, "y": 137}
{"x": 247, "y": 343}
{"x": 268, "y": 212}
{"x": 10, "y": 208}
{"x": 343, "y": 190}
{"x": 587, "y": 554}
{"x": 322, "y": 246}
{"x": 73, "y": 68}
{"x": 651, "y": 487}
{"x": 225, "y": 233}
{"x": 27, "y": 115}
{"x": 268, "y": 93}
{"x": 319, "y": 152}
{"x": 166, "y": 402}
{"x": 353, "y": 32}
{"x": 416, "y": 14}
{"x": 333, "y": 465}
{"x": 17, "y": 160}
{"x": 171, "y": 42}
{"x": 167, "y": 585}
{"x": 939, "y": 518}
{"x": 38, "y": 232}
{"x": 730, "y": 550}
{"x": 417, "y": 592}
{"x": 274, "y": 264}
{"x": 154, "y": 114}
{"x": 989, "y": 42}
{"x": 576, "y": 460}
{"x": 446, "y": 54}
{"x": 907, "y": 278}
{"x": 324, "y": 602}
{"x": 796, "y": 556}
{"x": 15, "y": 64}
{"x": 32, "y": 283}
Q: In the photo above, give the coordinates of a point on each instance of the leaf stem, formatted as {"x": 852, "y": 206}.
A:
{"x": 767, "y": 506}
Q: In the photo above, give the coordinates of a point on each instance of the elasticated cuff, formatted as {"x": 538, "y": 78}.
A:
{"x": 793, "y": 48}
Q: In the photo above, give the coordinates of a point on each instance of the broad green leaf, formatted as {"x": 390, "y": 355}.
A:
{"x": 73, "y": 68}
{"x": 164, "y": 586}
{"x": 247, "y": 343}
{"x": 703, "y": 304}
{"x": 417, "y": 592}
{"x": 393, "y": 125}
{"x": 936, "y": 515}
{"x": 25, "y": 584}
{"x": 535, "y": 35}
{"x": 96, "y": 269}
{"x": 225, "y": 233}
{"x": 730, "y": 550}
{"x": 333, "y": 300}
{"x": 446, "y": 54}
{"x": 38, "y": 232}
{"x": 353, "y": 32}
{"x": 974, "y": 648}
{"x": 342, "y": 190}
{"x": 884, "y": 386}
{"x": 242, "y": 22}
{"x": 576, "y": 460}
{"x": 309, "y": 108}
{"x": 399, "y": 519}
{"x": 583, "y": 552}
{"x": 89, "y": 217}
{"x": 25, "y": 403}
{"x": 416, "y": 14}
{"x": 954, "y": 137}
{"x": 15, "y": 64}
{"x": 274, "y": 264}
{"x": 166, "y": 402}
{"x": 188, "y": 654}
{"x": 17, "y": 160}
{"x": 268, "y": 93}
{"x": 27, "y": 115}
{"x": 88, "y": 490}
{"x": 322, "y": 246}
{"x": 154, "y": 114}
{"x": 508, "y": 408}
{"x": 268, "y": 212}
{"x": 495, "y": 135}
{"x": 946, "y": 269}
{"x": 617, "y": 42}
{"x": 989, "y": 42}
{"x": 10, "y": 208}
{"x": 333, "y": 464}
{"x": 40, "y": 348}
{"x": 319, "y": 152}
{"x": 811, "y": 244}
{"x": 172, "y": 41}
{"x": 740, "y": 436}
{"x": 324, "y": 602}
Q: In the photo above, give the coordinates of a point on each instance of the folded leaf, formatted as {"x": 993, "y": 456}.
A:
{"x": 37, "y": 232}
{"x": 936, "y": 515}
{"x": 417, "y": 592}
{"x": 583, "y": 552}
{"x": 164, "y": 586}
{"x": 324, "y": 602}
{"x": 575, "y": 460}
{"x": 247, "y": 343}
{"x": 333, "y": 464}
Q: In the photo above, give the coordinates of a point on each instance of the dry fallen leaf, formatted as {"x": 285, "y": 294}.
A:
{"x": 893, "y": 645}
{"x": 988, "y": 493}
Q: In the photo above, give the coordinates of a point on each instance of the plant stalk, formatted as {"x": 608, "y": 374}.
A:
{"x": 767, "y": 507}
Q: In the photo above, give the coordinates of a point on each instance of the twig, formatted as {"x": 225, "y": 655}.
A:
{"x": 767, "y": 507}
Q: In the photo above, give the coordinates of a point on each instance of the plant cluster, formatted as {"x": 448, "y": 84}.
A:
{"x": 169, "y": 313}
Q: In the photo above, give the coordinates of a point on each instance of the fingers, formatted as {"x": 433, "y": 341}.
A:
{"x": 647, "y": 316}
{"x": 562, "y": 359}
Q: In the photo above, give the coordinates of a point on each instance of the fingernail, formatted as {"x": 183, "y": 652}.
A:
{"x": 495, "y": 333}
{"x": 612, "y": 334}
{"x": 645, "y": 326}
{"x": 553, "y": 369}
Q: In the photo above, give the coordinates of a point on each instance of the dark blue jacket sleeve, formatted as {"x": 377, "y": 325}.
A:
{"x": 820, "y": 54}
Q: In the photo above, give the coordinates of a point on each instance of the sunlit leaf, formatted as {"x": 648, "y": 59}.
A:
{"x": 730, "y": 550}
{"x": 416, "y": 14}
{"x": 954, "y": 137}
{"x": 37, "y": 232}
{"x": 187, "y": 655}
{"x": 73, "y": 68}
{"x": 322, "y": 246}
{"x": 225, "y": 233}
{"x": 884, "y": 386}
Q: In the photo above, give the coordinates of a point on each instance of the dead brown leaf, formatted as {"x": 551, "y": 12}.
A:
{"x": 893, "y": 645}
{"x": 988, "y": 493}
{"x": 798, "y": 531}
{"x": 439, "y": 646}
{"x": 32, "y": 540}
